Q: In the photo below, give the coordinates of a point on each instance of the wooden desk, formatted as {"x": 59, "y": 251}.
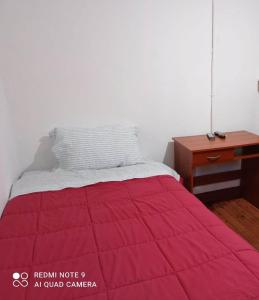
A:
{"x": 195, "y": 151}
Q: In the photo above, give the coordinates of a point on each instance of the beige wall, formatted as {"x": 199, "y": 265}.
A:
{"x": 9, "y": 165}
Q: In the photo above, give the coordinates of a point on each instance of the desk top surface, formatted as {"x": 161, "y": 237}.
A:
{"x": 233, "y": 139}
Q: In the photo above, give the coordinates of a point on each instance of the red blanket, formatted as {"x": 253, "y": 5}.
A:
{"x": 140, "y": 239}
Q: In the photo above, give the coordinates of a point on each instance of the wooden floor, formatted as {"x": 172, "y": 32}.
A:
{"x": 241, "y": 216}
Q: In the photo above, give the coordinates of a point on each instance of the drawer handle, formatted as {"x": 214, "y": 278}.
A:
{"x": 213, "y": 158}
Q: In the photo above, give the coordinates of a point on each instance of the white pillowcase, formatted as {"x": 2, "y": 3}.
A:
{"x": 96, "y": 148}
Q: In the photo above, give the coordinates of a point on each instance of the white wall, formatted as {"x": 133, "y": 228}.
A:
{"x": 9, "y": 166}
{"x": 94, "y": 62}
{"x": 236, "y": 62}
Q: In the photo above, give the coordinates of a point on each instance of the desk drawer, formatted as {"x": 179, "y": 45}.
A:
{"x": 212, "y": 157}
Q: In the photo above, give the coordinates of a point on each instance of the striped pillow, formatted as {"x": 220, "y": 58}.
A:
{"x": 96, "y": 148}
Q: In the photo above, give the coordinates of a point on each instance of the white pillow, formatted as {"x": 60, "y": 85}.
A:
{"x": 96, "y": 148}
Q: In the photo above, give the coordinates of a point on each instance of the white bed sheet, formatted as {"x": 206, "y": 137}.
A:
{"x": 58, "y": 179}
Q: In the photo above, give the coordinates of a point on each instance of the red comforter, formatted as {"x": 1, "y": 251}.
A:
{"x": 140, "y": 239}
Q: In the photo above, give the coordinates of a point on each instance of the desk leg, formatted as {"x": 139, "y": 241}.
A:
{"x": 250, "y": 180}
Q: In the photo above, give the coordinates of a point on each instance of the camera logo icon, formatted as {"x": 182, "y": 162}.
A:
{"x": 20, "y": 279}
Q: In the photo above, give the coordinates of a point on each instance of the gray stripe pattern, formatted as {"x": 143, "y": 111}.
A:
{"x": 96, "y": 148}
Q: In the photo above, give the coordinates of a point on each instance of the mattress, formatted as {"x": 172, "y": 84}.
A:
{"x": 135, "y": 239}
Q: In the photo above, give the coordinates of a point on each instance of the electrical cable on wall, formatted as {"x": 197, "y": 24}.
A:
{"x": 211, "y": 135}
{"x": 212, "y": 69}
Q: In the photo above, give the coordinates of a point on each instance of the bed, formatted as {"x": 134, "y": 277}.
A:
{"x": 133, "y": 233}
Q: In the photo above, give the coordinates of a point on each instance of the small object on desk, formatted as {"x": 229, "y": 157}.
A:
{"x": 211, "y": 137}
{"x": 219, "y": 134}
